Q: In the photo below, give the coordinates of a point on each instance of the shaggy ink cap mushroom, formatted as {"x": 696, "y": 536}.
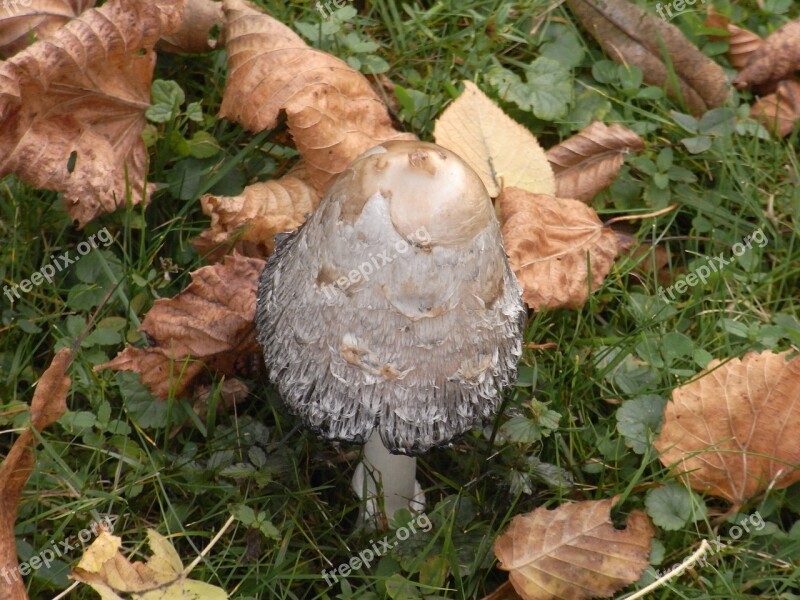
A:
{"x": 393, "y": 307}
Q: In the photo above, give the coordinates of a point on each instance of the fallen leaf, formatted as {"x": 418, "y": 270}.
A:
{"x": 574, "y": 551}
{"x": 248, "y": 222}
{"x": 48, "y": 404}
{"x": 632, "y": 36}
{"x": 162, "y": 577}
{"x": 779, "y": 111}
{"x": 504, "y": 592}
{"x": 741, "y": 42}
{"x": 194, "y": 33}
{"x": 732, "y": 431}
{"x": 207, "y": 325}
{"x": 500, "y": 150}
{"x": 331, "y": 110}
{"x": 588, "y": 162}
{"x": 23, "y": 24}
{"x": 551, "y": 242}
{"x": 776, "y": 59}
{"x": 72, "y": 107}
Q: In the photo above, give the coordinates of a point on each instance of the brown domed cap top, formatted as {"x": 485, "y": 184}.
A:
{"x": 426, "y": 187}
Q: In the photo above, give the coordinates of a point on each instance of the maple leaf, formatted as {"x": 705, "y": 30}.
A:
{"x": 551, "y": 243}
{"x": 332, "y": 112}
{"x": 732, "y": 431}
{"x": 574, "y": 551}
{"x": 72, "y": 107}
{"x": 22, "y": 24}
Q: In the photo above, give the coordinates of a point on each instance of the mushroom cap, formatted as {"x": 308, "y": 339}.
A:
{"x": 393, "y": 307}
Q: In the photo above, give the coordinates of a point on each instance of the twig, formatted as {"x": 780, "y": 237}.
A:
{"x": 210, "y": 545}
{"x": 672, "y": 574}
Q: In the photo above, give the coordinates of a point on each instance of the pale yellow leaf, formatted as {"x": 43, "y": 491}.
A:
{"x": 500, "y": 150}
{"x": 162, "y": 577}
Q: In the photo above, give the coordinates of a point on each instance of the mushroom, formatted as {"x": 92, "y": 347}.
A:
{"x": 391, "y": 317}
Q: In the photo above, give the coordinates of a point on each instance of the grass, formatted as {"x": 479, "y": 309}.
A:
{"x": 160, "y": 465}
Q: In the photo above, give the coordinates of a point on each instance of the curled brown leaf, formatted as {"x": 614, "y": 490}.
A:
{"x": 632, "y": 36}
{"x": 588, "y": 162}
{"x": 194, "y": 33}
{"x": 552, "y": 243}
{"x": 207, "y": 325}
{"x": 248, "y": 222}
{"x": 741, "y": 42}
{"x": 732, "y": 431}
{"x": 48, "y": 404}
{"x": 779, "y": 111}
{"x": 331, "y": 110}
{"x": 776, "y": 59}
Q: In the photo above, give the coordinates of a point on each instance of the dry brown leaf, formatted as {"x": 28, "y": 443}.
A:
{"x": 80, "y": 97}
{"x": 22, "y": 24}
{"x": 742, "y": 43}
{"x": 547, "y": 240}
{"x": 779, "y": 111}
{"x": 505, "y": 592}
{"x": 574, "y": 551}
{"x": 209, "y": 324}
{"x": 632, "y": 36}
{"x": 258, "y": 213}
{"x": 588, "y": 162}
{"x": 194, "y": 33}
{"x": 114, "y": 577}
{"x": 733, "y": 431}
{"x": 776, "y": 59}
{"x": 332, "y": 111}
{"x": 48, "y": 404}
{"x": 500, "y": 150}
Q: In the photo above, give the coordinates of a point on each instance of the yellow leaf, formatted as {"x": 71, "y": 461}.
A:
{"x": 500, "y": 150}
{"x": 162, "y": 577}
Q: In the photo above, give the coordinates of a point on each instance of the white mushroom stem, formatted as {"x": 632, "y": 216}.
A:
{"x": 386, "y": 481}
